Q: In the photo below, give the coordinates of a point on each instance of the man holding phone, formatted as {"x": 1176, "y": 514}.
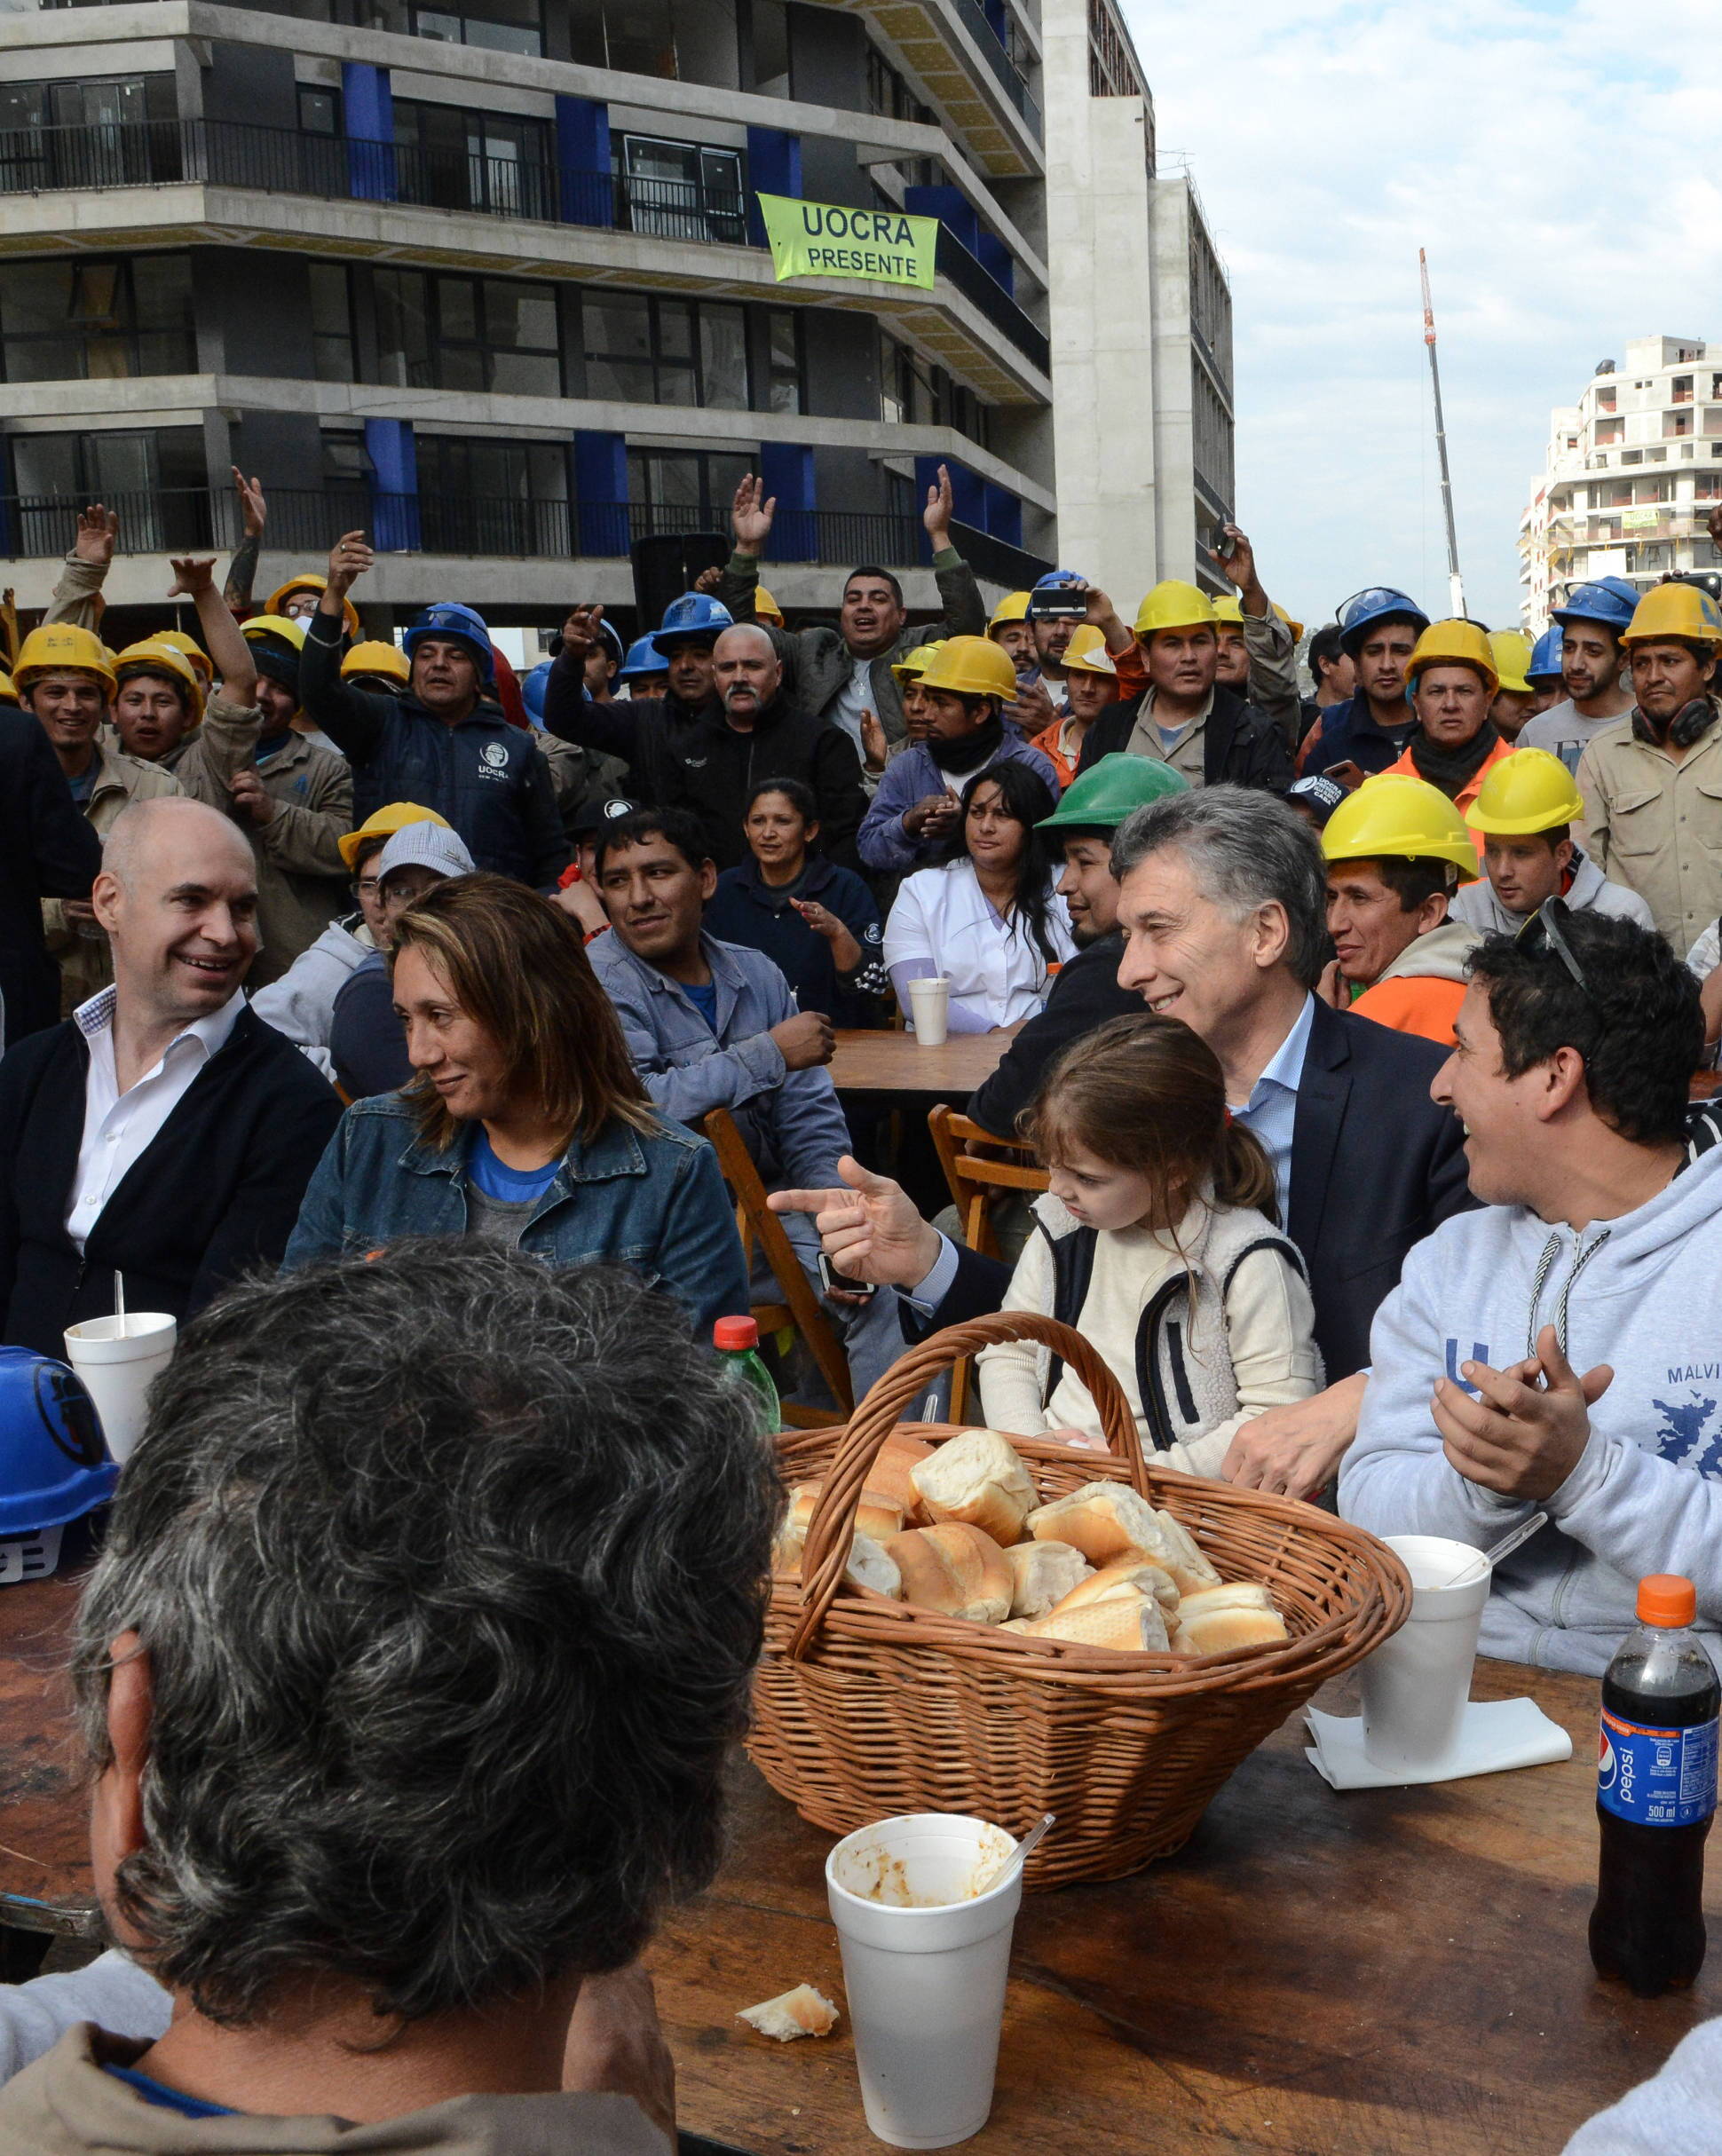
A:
{"x": 1378, "y": 629}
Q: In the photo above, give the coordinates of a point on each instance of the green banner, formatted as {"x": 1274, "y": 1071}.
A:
{"x": 825, "y": 240}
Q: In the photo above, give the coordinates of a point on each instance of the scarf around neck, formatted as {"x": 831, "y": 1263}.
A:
{"x": 967, "y": 752}
{"x": 1448, "y": 769}
{"x": 1689, "y": 724}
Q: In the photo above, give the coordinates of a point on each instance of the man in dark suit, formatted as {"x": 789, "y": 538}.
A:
{"x": 47, "y": 850}
{"x": 1222, "y": 900}
{"x": 164, "y": 1131}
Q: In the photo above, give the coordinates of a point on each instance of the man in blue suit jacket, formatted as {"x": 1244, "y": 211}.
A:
{"x": 1223, "y": 904}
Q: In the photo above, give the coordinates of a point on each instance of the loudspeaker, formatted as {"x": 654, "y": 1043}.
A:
{"x": 666, "y": 567}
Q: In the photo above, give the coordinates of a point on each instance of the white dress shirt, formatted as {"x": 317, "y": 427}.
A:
{"x": 1271, "y": 1110}
{"x": 119, "y": 1126}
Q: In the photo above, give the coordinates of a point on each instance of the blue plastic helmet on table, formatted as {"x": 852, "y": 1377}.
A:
{"x": 1376, "y": 603}
{"x": 54, "y": 1466}
{"x": 1610, "y": 601}
{"x": 693, "y": 618}
{"x": 644, "y": 657}
{"x": 1544, "y": 658}
{"x": 449, "y": 619}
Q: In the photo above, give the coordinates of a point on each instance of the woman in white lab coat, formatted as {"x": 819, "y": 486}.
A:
{"x": 990, "y": 919}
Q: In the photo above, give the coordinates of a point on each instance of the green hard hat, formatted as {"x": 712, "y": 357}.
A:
{"x": 1112, "y": 789}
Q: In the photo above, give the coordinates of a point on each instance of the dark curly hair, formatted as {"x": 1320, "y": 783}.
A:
{"x": 451, "y": 1570}
{"x": 1635, "y": 1023}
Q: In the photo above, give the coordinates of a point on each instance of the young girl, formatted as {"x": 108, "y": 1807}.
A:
{"x": 1154, "y": 1243}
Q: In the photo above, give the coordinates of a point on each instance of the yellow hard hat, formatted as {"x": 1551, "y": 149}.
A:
{"x": 766, "y": 608}
{"x": 1086, "y": 651}
{"x": 1679, "y": 611}
{"x": 1394, "y": 815}
{"x": 377, "y": 658}
{"x": 284, "y": 626}
{"x": 1013, "y": 607}
{"x": 1174, "y": 605}
{"x": 916, "y": 663}
{"x": 1296, "y": 628}
{"x": 971, "y": 666}
{"x": 60, "y": 644}
{"x": 8, "y": 694}
{"x": 1527, "y": 792}
{"x": 193, "y": 650}
{"x": 311, "y": 581}
{"x": 1229, "y": 611}
{"x": 1453, "y": 642}
{"x": 156, "y": 655}
{"x": 383, "y": 822}
{"x": 1512, "y": 649}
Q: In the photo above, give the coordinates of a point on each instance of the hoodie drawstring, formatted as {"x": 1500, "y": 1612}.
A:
{"x": 1581, "y": 1257}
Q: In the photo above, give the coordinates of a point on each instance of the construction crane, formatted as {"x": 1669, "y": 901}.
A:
{"x": 1455, "y": 582}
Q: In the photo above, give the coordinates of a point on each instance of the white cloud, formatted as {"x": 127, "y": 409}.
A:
{"x": 1556, "y": 162}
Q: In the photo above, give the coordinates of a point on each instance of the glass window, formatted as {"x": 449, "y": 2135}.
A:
{"x": 683, "y": 490}
{"x": 618, "y": 347}
{"x": 320, "y": 111}
{"x": 457, "y": 308}
{"x": 676, "y": 383}
{"x": 70, "y": 322}
{"x": 403, "y": 330}
{"x": 723, "y": 358}
{"x": 331, "y": 322}
{"x": 771, "y": 48}
{"x": 784, "y": 346}
{"x": 505, "y": 26}
{"x": 156, "y": 480}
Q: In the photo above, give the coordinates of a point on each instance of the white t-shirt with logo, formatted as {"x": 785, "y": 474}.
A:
{"x": 1565, "y": 731}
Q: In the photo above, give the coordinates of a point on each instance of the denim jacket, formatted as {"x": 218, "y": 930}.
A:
{"x": 653, "y": 1200}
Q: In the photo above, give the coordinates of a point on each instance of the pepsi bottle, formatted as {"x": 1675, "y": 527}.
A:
{"x": 1655, "y": 1796}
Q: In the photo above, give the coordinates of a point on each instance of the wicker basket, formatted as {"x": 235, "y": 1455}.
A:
{"x": 865, "y": 1707}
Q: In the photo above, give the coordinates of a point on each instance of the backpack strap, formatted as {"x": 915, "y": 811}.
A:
{"x": 1150, "y": 1390}
{"x": 1278, "y": 1242}
{"x": 1073, "y": 1268}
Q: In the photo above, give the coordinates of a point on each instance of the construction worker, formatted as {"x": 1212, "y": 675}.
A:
{"x": 64, "y": 681}
{"x": 1183, "y": 715}
{"x": 1258, "y": 641}
{"x": 1452, "y": 744}
{"x": 1591, "y": 624}
{"x": 644, "y": 672}
{"x": 188, "y": 647}
{"x": 158, "y": 701}
{"x": 1091, "y": 684}
{"x": 1397, "y": 850}
{"x": 1378, "y": 629}
{"x": 766, "y": 608}
{"x": 297, "y": 601}
{"x": 1526, "y": 809}
{"x": 1232, "y": 664}
{"x": 1653, "y": 782}
{"x": 1544, "y": 675}
{"x": 1513, "y": 700}
{"x": 1009, "y": 631}
{"x": 383, "y": 667}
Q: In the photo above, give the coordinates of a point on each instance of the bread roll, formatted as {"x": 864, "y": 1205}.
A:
{"x": 870, "y": 1564}
{"x": 1187, "y": 1561}
{"x": 800, "y": 2012}
{"x": 1217, "y": 1619}
{"x": 954, "y": 1569}
{"x": 889, "y": 1476}
{"x": 1106, "y": 1521}
{"x": 1043, "y": 1573}
{"x": 978, "y": 1479}
{"x": 1131, "y": 1623}
{"x": 877, "y": 1515}
{"x": 1126, "y": 1576}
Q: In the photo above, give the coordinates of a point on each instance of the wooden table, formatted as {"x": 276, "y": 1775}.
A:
{"x": 1395, "y": 1973}
{"x": 893, "y": 1062}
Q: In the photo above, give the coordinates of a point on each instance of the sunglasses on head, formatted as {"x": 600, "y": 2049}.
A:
{"x": 1545, "y": 930}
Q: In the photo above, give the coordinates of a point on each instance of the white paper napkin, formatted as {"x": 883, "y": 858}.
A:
{"x": 1494, "y": 1735}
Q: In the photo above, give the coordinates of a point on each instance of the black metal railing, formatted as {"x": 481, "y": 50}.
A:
{"x": 973, "y": 19}
{"x": 976, "y": 282}
{"x": 997, "y": 560}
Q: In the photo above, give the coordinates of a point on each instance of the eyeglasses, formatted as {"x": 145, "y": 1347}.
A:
{"x": 365, "y": 887}
{"x": 1546, "y": 930}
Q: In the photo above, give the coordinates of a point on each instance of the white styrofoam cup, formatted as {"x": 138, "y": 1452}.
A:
{"x": 118, "y": 1358}
{"x": 1416, "y": 1685}
{"x": 930, "y": 1009}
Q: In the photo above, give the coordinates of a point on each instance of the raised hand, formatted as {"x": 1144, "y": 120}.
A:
{"x": 98, "y": 530}
{"x": 252, "y": 508}
{"x": 941, "y": 506}
{"x": 192, "y": 573}
{"x": 751, "y": 515}
{"x": 874, "y": 745}
{"x": 579, "y": 629}
{"x": 348, "y": 558}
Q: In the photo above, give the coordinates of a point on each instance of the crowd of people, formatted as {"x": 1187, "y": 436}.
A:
{"x": 360, "y": 998}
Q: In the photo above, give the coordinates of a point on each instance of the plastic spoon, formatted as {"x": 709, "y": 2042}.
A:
{"x": 119, "y": 1304}
{"x": 1018, "y": 1857}
{"x": 1506, "y": 1546}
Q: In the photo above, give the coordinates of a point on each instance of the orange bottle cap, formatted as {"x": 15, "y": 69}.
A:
{"x": 735, "y": 1332}
{"x": 1664, "y": 1597}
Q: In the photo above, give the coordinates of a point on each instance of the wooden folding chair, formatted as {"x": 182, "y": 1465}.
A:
{"x": 975, "y": 1179}
{"x": 799, "y": 1309}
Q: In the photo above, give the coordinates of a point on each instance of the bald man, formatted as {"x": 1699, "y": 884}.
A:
{"x": 164, "y": 1131}
{"x": 711, "y": 760}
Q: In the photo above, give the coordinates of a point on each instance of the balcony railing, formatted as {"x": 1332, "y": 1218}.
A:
{"x": 977, "y": 283}
{"x": 305, "y": 521}
{"x": 972, "y": 19}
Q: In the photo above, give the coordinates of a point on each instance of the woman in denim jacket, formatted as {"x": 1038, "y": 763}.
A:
{"x": 526, "y": 1123}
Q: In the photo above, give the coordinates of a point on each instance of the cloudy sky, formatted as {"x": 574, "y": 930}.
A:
{"x": 1558, "y": 161}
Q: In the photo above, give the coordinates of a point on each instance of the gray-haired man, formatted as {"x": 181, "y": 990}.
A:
{"x": 396, "y": 1760}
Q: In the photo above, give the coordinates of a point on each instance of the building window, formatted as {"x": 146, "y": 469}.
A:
{"x": 681, "y": 190}
{"x": 684, "y": 490}
{"x": 1632, "y": 456}
{"x": 1681, "y": 390}
{"x": 156, "y": 480}
{"x": 121, "y": 133}
{"x": 887, "y": 94}
{"x": 1112, "y": 71}
{"x": 96, "y": 322}
{"x": 642, "y": 350}
{"x": 784, "y": 361}
{"x": 320, "y": 111}
{"x": 331, "y": 322}
{"x": 511, "y": 26}
{"x": 688, "y": 40}
{"x": 467, "y": 333}
{"x": 493, "y": 497}
{"x": 1606, "y": 400}
{"x": 1676, "y": 423}
{"x": 1607, "y": 430}
{"x": 451, "y": 158}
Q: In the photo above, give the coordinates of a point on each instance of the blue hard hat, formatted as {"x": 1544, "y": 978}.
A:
{"x": 1376, "y": 603}
{"x": 644, "y": 657}
{"x": 694, "y": 615}
{"x": 1054, "y": 578}
{"x": 1610, "y": 601}
{"x": 532, "y": 690}
{"x": 54, "y": 1466}
{"x": 1546, "y": 657}
{"x": 1056, "y": 596}
{"x": 449, "y": 619}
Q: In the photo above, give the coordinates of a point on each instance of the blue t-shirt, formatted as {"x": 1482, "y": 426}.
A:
{"x": 496, "y": 1179}
{"x": 170, "y": 2099}
{"x": 704, "y": 1000}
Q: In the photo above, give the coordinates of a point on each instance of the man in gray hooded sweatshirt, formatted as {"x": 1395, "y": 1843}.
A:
{"x": 1597, "y": 1250}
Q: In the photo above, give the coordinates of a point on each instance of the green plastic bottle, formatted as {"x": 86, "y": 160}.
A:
{"x": 737, "y": 1342}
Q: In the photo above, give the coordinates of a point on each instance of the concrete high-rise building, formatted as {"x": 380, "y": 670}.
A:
{"x": 1631, "y": 476}
{"x": 487, "y": 278}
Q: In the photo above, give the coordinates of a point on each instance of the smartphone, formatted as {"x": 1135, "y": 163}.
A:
{"x": 830, "y": 1278}
{"x": 1344, "y": 774}
{"x": 1225, "y": 543}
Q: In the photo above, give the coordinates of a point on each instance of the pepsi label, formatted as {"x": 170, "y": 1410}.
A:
{"x": 1657, "y": 1777}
